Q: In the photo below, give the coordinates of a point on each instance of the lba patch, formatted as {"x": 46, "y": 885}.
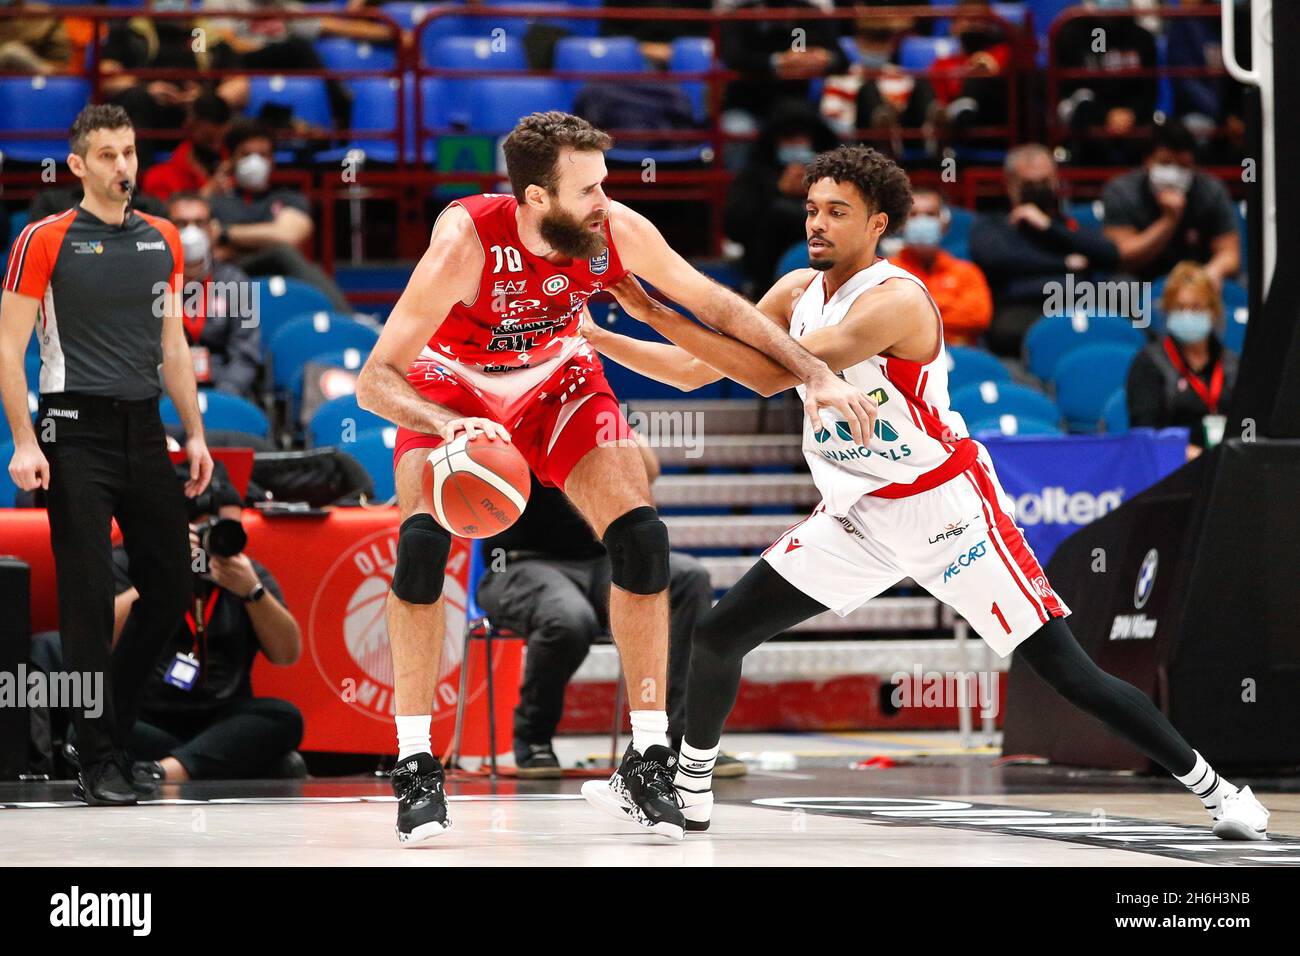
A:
{"x": 599, "y": 264}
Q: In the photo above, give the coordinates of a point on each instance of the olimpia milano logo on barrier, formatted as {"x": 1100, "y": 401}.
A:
{"x": 348, "y": 635}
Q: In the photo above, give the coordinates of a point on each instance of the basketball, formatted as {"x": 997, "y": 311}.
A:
{"x": 477, "y": 487}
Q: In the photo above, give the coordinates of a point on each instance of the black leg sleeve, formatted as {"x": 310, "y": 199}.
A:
{"x": 760, "y": 606}
{"x": 1057, "y": 658}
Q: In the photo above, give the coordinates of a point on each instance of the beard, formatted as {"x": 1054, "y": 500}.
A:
{"x": 821, "y": 265}
{"x": 570, "y": 236}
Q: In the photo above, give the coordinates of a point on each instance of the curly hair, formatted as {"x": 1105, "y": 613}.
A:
{"x": 880, "y": 180}
{"x": 93, "y": 117}
{"x": 534, "y": 145}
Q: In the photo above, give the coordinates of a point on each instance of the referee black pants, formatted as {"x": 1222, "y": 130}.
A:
{"x": 108, "y": 459}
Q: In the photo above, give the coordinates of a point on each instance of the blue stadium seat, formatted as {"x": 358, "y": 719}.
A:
{"x": 221, "y": 410}
{"x": 280, "y": 299}
{"x": 310, "y": 335}
{"x": 1009, "y": 424}
{"x": 374, "y": 111}
{"x": 796, "y": 257}
{"x": 495, "y": 104}
{"x": 518, "y": 26}
{"x": 349, "y": 359}
{"x": 693, "y": 55}
{"x": 1053, "y": 337}
{"x": 1236, "y": 313}
{"x": 1088, "y": 215}
{"x": 46, "y": 103}
{"x": 1087, "y": 378}
{"x": 968, "y": 366}
{"x": 604, "y": 54}
{"x": 33, "y": 402}
{"x": 1114, "y": 414}
{"x": 471, "y": 52}
{"x": 329, "y": 421}
{"x": 917, "y": 53}
{"x": 956, "y": 240}
{"x": 411, "y": 15}
{"x": 343, "y": 53}
{"x": 374, "y": 450}
{"x": 7, "y": 487}
{"x": 305, "y": 95}
{"x": 991, "y": 399}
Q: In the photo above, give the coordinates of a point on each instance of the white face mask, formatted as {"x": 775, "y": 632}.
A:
{"x": 253, "y": 172}
{"x": 1170, "y": 176}
{"x": 196, "y": 245}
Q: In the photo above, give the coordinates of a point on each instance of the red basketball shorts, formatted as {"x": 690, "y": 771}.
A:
{"x": 553, "y": 422}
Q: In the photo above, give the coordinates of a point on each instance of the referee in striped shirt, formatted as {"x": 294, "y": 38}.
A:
{"x": 104, "y": 282}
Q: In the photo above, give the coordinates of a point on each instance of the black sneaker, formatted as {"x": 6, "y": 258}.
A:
{"x": 641, "y": 791}
{"x": 727, "y": 767}
{"x": 104, "y": 785}
{"x": 537, "y": 762}
{"x": 421, "y": 793}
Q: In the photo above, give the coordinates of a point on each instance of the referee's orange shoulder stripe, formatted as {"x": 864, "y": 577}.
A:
{"x": 48, "y": 232}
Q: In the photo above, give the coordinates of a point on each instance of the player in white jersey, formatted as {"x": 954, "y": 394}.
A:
{"x": 919, "y": 499}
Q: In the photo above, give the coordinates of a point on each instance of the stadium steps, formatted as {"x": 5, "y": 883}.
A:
{"x": 726, "y": 531}
{"x": 732, "y": 451}
{"x": 723, "y": 416}
{"x": 793, "y": 490}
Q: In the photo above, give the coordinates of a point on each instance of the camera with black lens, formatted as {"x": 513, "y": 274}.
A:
{"x": 222, "y": 537}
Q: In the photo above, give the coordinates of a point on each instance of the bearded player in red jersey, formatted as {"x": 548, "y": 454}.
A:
{"x": 485, "y": 339}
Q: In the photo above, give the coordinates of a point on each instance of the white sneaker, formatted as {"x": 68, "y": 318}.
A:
{"x": 697, "y": 808}
{"x": 1241, "y": 817}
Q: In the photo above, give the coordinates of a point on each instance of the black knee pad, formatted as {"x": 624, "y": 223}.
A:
{"x": 422, "y": 549}
{"x": 637, "y": 543}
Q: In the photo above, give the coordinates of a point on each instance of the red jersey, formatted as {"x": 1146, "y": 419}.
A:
{"x": 527, "y": 310}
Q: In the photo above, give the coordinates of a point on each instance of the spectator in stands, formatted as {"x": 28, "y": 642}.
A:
{"x": 979, "y": 97}
{"x": 156, "y": 44}
{"x": 765, "y": 203}
{"x": 552, "y": 585}
{"x": 37, "y": 45}
{"x": 261, "y": 226}
{"x": 1187, "y": 378}
{"x": 287, "y": 44}
{"x": 893, "y": 100}
{"x": 1033, "y": 245}
{"x": 773, "y": 65}
{"x": 199, "y": 163}
{"x": 655, "y": 37}
{"x": 1203, "y": 103}
{"x": 1104, "y": 114}
{"x": 1167, "y": 211}
{"x": 225, "y": 343}
{"x": 214, "y": 728}
{"x": 958, "y": 287}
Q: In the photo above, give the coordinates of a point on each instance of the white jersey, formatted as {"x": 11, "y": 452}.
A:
{"x": 919, "y": 440}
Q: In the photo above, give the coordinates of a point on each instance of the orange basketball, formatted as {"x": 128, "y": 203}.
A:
{"x": 478, "y": 487}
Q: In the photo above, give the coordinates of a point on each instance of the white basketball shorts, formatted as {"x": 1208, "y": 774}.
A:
{"x": 959, "y": 541}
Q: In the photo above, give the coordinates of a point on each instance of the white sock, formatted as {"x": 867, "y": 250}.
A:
{"x": 413, "y": 735}
{"x": 1203, "y": 781}
{"x": 649, "y": 729}
{"x": 695, "y": 768}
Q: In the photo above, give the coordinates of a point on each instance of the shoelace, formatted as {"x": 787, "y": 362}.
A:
{"x": 657, "y": 779}
{"x": 417, "y": 786}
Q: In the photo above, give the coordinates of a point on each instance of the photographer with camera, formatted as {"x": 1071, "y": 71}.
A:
{"x": 198, "y": 717}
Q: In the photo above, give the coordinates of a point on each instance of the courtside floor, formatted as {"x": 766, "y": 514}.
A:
{"x": 803, "y": 803}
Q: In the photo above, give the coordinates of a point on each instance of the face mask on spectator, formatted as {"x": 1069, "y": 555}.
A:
{"x": 1111, "y": 4}
{"x": 1042, "y": 195}
{"x": 1188, "y": 325}
{"x": 795, "y": 153}
{"x": 169, "y": 6}
{"x": 196, "y": 244}
{"x": 924, "y": 231}
{"x": 1170, "y": 176}
{"x": 252, "y": 172}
